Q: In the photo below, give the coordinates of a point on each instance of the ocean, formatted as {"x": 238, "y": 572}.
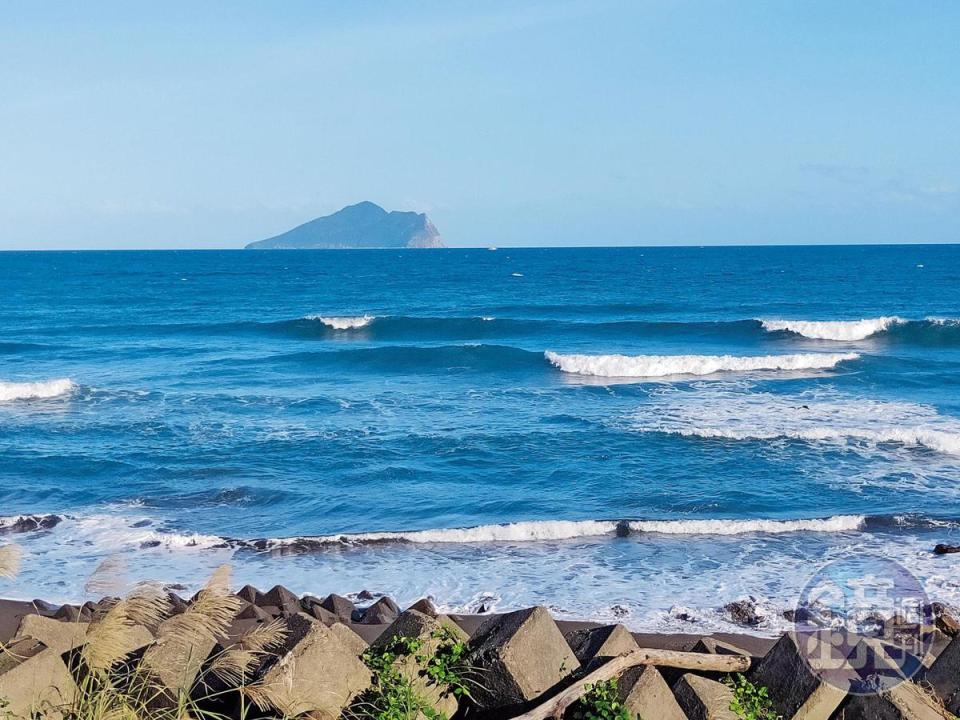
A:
{"x": 639, "y": 434}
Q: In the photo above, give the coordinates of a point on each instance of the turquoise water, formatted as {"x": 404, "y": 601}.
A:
{"x": 475, "y": 425}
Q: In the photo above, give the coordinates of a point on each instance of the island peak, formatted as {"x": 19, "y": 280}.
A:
{"x": 363, "y": 225}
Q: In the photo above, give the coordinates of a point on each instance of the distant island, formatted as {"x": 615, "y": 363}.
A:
{"x": 364, "y": 225}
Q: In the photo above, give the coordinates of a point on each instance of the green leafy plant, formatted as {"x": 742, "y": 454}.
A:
{"x": 602, "y": 702}
{"x": 392, "y": 694}
{"x": 446, "y": 668}
{"x": 749, "y": 701}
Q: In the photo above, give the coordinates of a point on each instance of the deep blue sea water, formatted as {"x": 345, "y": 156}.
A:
{"x": 489, "y": 417}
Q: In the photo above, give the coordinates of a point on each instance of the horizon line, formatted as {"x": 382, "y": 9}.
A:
{"x": 483, "y": 247}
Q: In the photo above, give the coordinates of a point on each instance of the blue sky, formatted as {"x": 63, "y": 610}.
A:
{"x": 556, "y": 123}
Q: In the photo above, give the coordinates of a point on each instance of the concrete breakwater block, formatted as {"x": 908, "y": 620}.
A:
{"x": 645, "y": 693}
{"x": 383, "y": 611}
{"x": 943, "y": 676}
{"x": 519, "y": 657}
{"x": 318, "y": 674}
{"x": 285, "y": 601}
{"x": 905, "y": 701}
{"x": 341, "y": 607}
{"x": 33, "y": 679}
{"x": 416, "y": 625}
{"x": 795, "y": 690}
{"x": 600, "y": 642}
{"x": 703, "y": 699}
{"x": 176, "y": 658}
{"x": 55, "y": 634}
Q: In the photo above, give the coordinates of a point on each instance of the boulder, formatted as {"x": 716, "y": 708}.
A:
{"x": 518, "y": 657}
{"x": 318, "y": 673}
{"x": 34, "y": 679}
{"x": 600, "y": 642}
{"x": 417, "y": 625}
{"x": 383, "y": 611}
{"x": 945, "y": 549}
{"x": 794, "y": 688}
{"x": 943, "y": 676}
{"x": 944, "y": 618}
{"x": 744, "y": 612}
{"x": 645, "y": 694}
{"x": 55, "y": 634}
{"x": 905, "y": 701}
{"x": 703, "y": 699}
{"x": 340, "y": 606}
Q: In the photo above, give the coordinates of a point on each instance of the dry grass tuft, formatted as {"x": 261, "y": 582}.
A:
{"x": 113, "y": 636}
{"x": 235, "y": 664}
{"x": 169, "y": 680}
{"x": 185, "y": 639}
{"x": 10, "y": 560}
{"x": 108, "y": 578}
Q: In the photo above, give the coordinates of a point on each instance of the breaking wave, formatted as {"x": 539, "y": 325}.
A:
{"x": 11, "y": 391}
{"x": 343, "y": 323}
{"x": 555, "y": 530}
{"x": 933, "y": 331}
{"x": 654, "y": 366}
{"x": 929, "y": 330}
{"x": 822, "y": 416}
{"x": 833, "y": 329}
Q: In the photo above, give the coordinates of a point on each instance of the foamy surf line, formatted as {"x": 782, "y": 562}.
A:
{"x": 559, "y": 530}
{"x": 13, "y": 391}
{"x": 815, "y": 417}
{"x": 656, "y": 366}
{"x": 347, "y": 322}
{"x": 110, "y": 533}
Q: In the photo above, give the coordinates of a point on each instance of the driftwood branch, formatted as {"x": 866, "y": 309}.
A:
{"x": 556, "y": 706}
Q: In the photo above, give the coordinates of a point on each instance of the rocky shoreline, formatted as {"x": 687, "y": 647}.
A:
{"x": 334, "y": 657}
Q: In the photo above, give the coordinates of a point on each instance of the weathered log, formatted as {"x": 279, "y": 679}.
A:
{"x": 556, "y": 706}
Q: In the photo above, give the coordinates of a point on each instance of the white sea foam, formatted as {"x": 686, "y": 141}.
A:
{"x": 848, "y": 330}
{"x": 653, "y": 366}
{"x": 10, "y": 391}
{"x": 119, "y": 532}
{"x": 815, "y": 417}
{"x": 837, "y": 523}
{"x": 547, "y": 530}
{"x": 344, "y": 323}
{"x": 511, "y": 532}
